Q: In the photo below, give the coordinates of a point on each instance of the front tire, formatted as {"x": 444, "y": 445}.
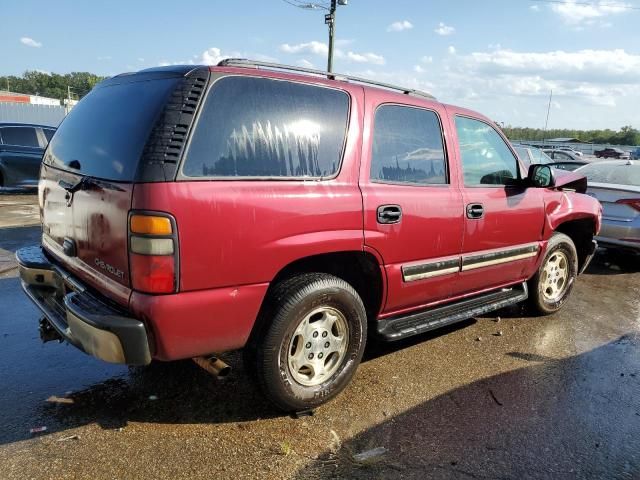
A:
{"x": 552, "y": 284}
{"x": 315, "y": 329}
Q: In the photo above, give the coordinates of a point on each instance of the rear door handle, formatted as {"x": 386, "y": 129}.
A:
{"x": 475, "y": 211}
{"x": 389, "y": 214}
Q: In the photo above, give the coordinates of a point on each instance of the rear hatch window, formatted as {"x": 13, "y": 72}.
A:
{"x": 104, "y": 135}
{"x": 91, "y": 167}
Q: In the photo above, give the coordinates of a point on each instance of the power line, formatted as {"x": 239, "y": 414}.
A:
{"x": 622, "y": 6}
{"x": 307, "y": 5}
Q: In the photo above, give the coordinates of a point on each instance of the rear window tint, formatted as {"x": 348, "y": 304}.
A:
{"x": 620, "y": 174}
{"x": 23, "y": 136}
{"x": 104, "y": 135}
{"x": 257, "y": 127}
{"x": 407, "y": 146}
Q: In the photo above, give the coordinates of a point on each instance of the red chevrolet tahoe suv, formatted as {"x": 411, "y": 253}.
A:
{"x": 190, "y": 211}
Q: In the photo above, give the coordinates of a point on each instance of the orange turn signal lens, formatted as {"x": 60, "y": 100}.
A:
{"x": 150, "y": 225}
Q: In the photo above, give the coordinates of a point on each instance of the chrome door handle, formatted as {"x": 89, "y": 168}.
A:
{"x": 475, "y": 211}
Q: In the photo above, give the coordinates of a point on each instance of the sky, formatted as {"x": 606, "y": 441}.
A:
{"x": 499, "y": 57}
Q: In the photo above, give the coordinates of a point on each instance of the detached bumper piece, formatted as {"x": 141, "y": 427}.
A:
{"x": 80, "y": 317}
{"x": 590, "y": 253}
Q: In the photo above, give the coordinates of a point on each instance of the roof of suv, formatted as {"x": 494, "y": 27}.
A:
{"x": 275, "y": 67}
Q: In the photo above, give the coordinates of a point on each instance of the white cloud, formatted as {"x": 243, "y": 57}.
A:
{"x": 315, "y": 47}
{"x": 214, "y": 55}
{"x": 366, "y": 58}
{"x": 451, "y": 50}
{"x": 611, "y": 66}
{"x": 30, "y": 42}
{"x": 535, "y": 8}
{"x": 321, "y": 49}
{"x": 400, "y": 26}
{"x": 596, "y": 88}
{"x": 444, "y": 30}
{"x": 427, "y": 59}
{"x": 105, "y": 57}
{"x": 577, "y": 13}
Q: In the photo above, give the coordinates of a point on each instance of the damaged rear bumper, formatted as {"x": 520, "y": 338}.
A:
{"x": 80, "y": 317}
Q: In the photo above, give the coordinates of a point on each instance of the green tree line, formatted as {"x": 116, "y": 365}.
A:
{"x": 52, "y": 85}
{"x": 625, "y": 136}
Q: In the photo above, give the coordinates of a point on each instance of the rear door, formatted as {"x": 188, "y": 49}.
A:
{"x": 412, "y": 205}
{"x": 88, "y": 176}
{"x": 21, "y": 155}
{"x": 503, "y": 220}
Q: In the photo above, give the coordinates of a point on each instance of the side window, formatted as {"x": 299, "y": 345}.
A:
{"x": 258, "y": 127}
{"x": 407, "y": 146}
{"x": 23, "y": 136}
{"x": 562, "y": 156}
{"x": 486, "y": 158}
{"x": 48, "y": 133}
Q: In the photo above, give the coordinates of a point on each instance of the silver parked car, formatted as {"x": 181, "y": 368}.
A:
{"x": 531, "y": 155}
{"x": 616, "y": 184}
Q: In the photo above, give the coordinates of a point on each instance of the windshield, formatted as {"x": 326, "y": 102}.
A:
{"x": 104, "y": 135}
{"x": 619, "y": 173}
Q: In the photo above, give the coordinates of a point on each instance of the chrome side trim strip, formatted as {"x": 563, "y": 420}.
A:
{"x": 431, "y": 269}
{"x": 471, "y": 262}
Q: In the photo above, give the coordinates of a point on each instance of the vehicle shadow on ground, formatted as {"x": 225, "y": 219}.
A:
{"x": 13, "y": 238}
{"x": 572, "y": 418}
{"x": 169, "y": 393}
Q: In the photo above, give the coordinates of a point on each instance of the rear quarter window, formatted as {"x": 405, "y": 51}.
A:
{"x": 258, "y": 127}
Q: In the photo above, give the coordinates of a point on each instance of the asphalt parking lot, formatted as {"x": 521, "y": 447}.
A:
{"x": 502, "y": 396}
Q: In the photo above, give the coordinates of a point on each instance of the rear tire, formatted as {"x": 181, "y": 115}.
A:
{"x": 550, "y": 287}
{"x": 315, "y": 329}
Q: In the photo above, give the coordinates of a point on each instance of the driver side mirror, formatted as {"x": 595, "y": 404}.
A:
{"x": 541, "y": 176}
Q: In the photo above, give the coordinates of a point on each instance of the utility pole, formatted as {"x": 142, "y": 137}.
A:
{"x": 330, "y": 19}
{"x": 546, "y": 123}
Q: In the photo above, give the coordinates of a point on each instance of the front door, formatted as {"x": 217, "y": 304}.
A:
{"x": 503, "y": 219}
{"x": 412, "y": 208}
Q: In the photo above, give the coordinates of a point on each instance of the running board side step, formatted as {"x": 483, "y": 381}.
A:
{"x": 396, "y": 328}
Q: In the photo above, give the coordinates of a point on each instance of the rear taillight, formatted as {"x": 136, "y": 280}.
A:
{"x": 153, "y": 252}
{"x": 632, "y": 202}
